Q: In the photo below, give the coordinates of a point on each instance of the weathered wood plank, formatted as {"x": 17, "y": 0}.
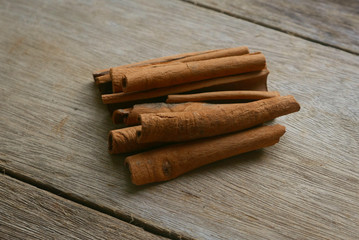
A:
{"x": 30, "y": 213}
{"x": 54, "y": 127}
{"x": 331, "y": 22}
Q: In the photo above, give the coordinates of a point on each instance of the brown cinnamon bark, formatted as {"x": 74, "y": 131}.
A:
{"x": 103, "y": 79}
{"x": 124, "y": 141}
{"x": 184, "y": 126}
{"x": 246, "y": 81}
{"x": 101, "y": 72}
{"x": 169, "y": 162}
{"x": 130, "y": 116}
{"x": 185, "y": 57}
{"x": 257, "y": 84}
{"x": 119, "y": 115}
{"x": 164, "y": 75}
{"x": 221, "y": 95}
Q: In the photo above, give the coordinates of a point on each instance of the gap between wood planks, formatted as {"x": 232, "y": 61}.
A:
{"x": 193, "y": 2}
{"x": 116, "y": 214}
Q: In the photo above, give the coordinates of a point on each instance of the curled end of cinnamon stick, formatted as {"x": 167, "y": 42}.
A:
{"x": 123, "y": 140}
{"x": 120, "y": 141}
{"x": 139, "y": 171}
{"x": 120, "y": 115}
{"x": 106, "y": 78}
{"x": 293, "y": 105}
{"x": 116, "y": 78}
{"x": 100, "y": 73}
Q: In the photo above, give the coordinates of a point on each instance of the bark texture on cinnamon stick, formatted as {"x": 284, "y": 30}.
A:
{"x": 117, "y": 74}
{"x": 183, "y": 57}
{"x": 101, "y": 72}
{"x": 221, "y": 95}
{"x": 184, "y": 126}
{"x": 164, "y": 75}
{"x": 130, "y": 116}
{"x": 103, "y": 77}
{"x": 124, "y": 141}
{"x": 169, "y": 162}
{"x": 247, "y": 81}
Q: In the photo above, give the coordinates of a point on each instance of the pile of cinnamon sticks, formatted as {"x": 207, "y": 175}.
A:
{"x": 188, "y": 110}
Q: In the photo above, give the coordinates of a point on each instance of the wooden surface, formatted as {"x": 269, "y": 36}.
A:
{"x": 30, "y": 213}
{"x": 54, "y": 127}
{"x": 329, "y": 22}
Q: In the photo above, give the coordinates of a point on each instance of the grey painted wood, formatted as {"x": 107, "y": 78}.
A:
{"x": 30, "y": 213}
{"x": 54, "y": 127}
{"x": 332, "y": 22}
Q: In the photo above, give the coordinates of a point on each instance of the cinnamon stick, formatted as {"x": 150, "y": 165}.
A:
{"x": 184, "y": 126}
{"x": 101, "y": 72}
{"x": 130, "y": 116}
{"x": 157, "y": 76}
{"x": 246, "y": 81}
{"x": 120, "y": 116}
{"x": 118, "y": 74}
{"x": 103, "y": 79}
{"x": 221, "y": 95}
{"x": 124, "y": 141}
{"x": 169, "y": 162}
{"x": 185, "y": 57}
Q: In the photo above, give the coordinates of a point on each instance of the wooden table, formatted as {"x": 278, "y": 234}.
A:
{"x": 59, "y": 181}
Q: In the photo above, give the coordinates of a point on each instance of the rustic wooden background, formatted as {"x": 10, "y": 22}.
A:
{"x": 58, "y": 181}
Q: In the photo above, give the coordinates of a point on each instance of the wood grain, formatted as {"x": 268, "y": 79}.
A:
{"x": 54, "y": 127}
{"x": 30, "y": 213}
{"x": 331, "y": 22}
